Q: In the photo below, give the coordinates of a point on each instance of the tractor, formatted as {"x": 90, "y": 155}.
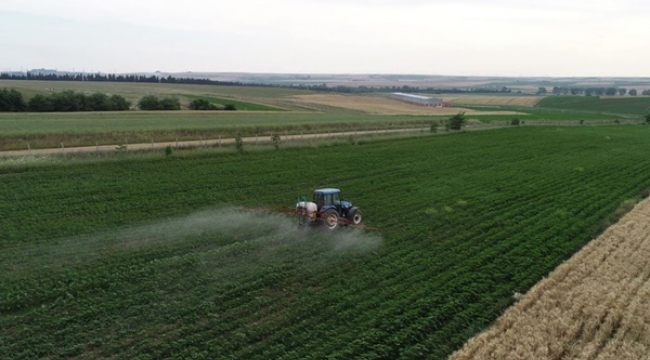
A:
{"x": 327, "y": 209}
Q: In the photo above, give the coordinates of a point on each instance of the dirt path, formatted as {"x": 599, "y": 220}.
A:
{"x": 198, "y": 143}
{"x": 593, "y": 306}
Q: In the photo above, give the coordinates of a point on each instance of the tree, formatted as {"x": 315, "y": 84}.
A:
{"x": 118, "y": 103}
{"x": 230, "y": 107}
{"x": 12, "y": 101}
{"x": 149, "y": 102}
{"x": 622, "y": 91}
{"x": 611, "y": 91}
{"x": 202, "y": 104}
{"x": 170, "y": 103}
{"x": 40, "y": 103}
{"x": 457, "y": 121}
{"x": 647, "y": 117}
{"x": 632, "y": 92}
{"x": 68, "y": 101}
{"x": 98, "y": 102}
{"x": 541, "y": 90}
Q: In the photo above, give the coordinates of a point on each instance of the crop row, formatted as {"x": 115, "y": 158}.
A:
{"x": 149, "y": 259}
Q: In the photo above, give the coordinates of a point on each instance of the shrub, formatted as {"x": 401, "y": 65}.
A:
{"x": 515, "y": 122}
{"x": 170, "y": 103}
{"x": 168, "y": 150}
{"x": 239, "y": 143}
{"x": 202, "y": 104}
{"x": 276, "y": 141}
{"x": 98, "y": 102}
{"x": 230, "y": 107}
{"x": 12, "y": 100}
{"x": 625, "y": 208}
{"x": 644, "y": 193}
{"x": 149, "y": 102}
{"x": 67, "y": 101}
{"x": 457, "y": 121}
{"x": 434, "y": 126}
{"x": 40, "y": 103}
{"x": 118, "y": 103}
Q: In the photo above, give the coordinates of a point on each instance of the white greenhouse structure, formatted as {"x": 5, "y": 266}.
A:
{"x": 417, "y": 99}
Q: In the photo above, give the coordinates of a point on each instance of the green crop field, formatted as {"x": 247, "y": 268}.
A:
{"x": 637, "y": 105}
{"x": 46, "y": 130}
{"x": 134, "y": 91}
{"x": 154, "y": 258}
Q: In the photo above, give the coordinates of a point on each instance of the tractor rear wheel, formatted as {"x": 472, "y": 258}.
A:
{"x": 355, "y": 217}
{"x": 331, "y": 219}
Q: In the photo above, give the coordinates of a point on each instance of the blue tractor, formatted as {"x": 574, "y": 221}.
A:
{"x": 328, "y": 209}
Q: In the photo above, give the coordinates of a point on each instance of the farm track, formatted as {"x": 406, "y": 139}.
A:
{"x": 255, "y": 140}
{"x": 590, "y": 307}
{"x": 200, "y": 143}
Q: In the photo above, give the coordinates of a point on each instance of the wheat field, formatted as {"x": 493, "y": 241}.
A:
{"x": 524, "y": 101}
{"x": 596, "y": 305}
{"x": 382, "y": 105}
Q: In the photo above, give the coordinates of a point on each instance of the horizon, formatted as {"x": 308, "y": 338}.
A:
{"x": 154, "y": 72}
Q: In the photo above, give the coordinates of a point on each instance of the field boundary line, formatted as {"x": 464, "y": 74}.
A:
{"x": 185, "y": 144}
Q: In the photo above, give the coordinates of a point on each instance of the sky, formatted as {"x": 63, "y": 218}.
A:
{"x": 431, "y": 37}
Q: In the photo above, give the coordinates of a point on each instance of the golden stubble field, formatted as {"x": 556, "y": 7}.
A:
{"x": 524, "y": 101}
{"x": 596, "y": 305}
{"x": 382, "y": 105}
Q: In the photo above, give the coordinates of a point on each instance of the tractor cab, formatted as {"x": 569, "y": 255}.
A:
{"x": 327, "y": 197}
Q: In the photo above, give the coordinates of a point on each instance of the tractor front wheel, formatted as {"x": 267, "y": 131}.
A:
{"x": 331, "y": 219}
{"x": 355, "y": 217}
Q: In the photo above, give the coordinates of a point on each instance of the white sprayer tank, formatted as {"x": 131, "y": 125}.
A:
{"x": 307, "y": 208}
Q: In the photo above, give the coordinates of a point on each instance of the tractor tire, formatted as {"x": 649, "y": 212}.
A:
{"x": 331, "y": 219}
{"x": 355, "y": 217}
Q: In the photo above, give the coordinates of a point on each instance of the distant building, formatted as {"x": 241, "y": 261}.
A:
{"x": 417, "y": 99}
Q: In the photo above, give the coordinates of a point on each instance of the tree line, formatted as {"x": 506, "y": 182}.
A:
{"x": 589, "y": 91}
{"x": 151, "y": 102}
{"x": 315, "y": 87}
{"x": 11, "y": 100}
{"x": 405, "y": 88}
{"x": 118, "y": 78}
